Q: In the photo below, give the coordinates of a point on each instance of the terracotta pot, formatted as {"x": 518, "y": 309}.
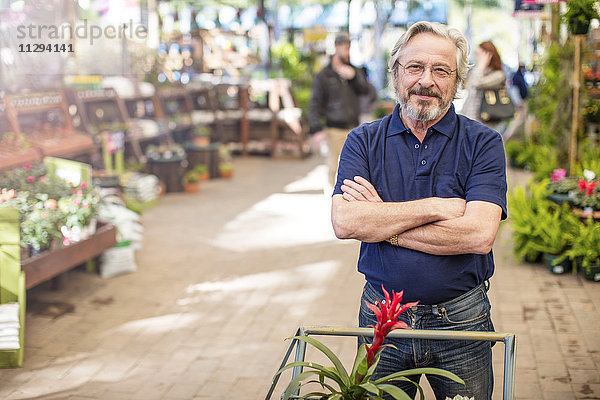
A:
{"x": 204, "y": 176}
{"x": 226, "y": 174}
{"x": 201, "y": 141}
{"x": 191, "y": 187}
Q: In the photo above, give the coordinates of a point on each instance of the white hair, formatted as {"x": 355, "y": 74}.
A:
{"x": 441, "y": 30}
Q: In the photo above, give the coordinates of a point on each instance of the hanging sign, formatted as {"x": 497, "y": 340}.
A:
{"x": 542, "y": 1}
{"x": 524, "y": 9}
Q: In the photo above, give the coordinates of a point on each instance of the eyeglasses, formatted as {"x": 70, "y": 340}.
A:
{"x": 416, "y": 69}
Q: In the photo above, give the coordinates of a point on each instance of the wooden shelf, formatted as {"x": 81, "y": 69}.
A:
{"x": 51, "y": 263}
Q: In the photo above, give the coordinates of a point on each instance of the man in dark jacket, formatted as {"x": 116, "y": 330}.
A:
{"x": 335, "y": 97}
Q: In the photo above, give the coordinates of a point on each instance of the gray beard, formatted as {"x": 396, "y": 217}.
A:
{"x": 422, "y": 114}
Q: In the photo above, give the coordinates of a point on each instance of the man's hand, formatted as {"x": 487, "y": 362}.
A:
{"x": 360, "y": 189}
{"x": 343, "y": 70}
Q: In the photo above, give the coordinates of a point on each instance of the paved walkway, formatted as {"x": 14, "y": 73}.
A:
{"x": 227, "y": 274}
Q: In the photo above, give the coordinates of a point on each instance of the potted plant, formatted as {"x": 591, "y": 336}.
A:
{"x": 525, "y": 207}
{"x": 191, "y": 181}
{"x": 202, "y": 171}
{"x": 336, "y": 383}
{"x": 225, "y": 169}
{"x": 585, "y": 249}
{"x": 588, "y": 196}
{"x": 201, "y": 135}
{"x": 552, "y": 236}
{"x": 579, "y": 14}
{"x": 562, "y": 188}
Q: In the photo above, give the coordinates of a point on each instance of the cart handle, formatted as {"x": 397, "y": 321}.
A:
{"x": 509, "y": 340}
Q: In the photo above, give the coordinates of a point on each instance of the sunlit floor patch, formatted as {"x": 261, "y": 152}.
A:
{"x": 314, "y": 180}
{"x": 280, "y": 220}
{"x": 317, "y": 274}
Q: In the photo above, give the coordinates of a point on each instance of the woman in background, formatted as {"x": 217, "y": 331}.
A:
{"x": 487, "y": 74}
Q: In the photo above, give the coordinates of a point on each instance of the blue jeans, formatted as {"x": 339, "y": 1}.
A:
{"x": 470, "y": 360}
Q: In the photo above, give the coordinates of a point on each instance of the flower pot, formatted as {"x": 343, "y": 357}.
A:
{"x": 559, "y": 268}
{"x": 201, "y": 141}
{"x": 226, "y": 174}
{"x": 578, "y": 28}
{"x": 560, "y": 198}
{"x": 192, "y": 187}
{"x": 592, "y": 273}
{"x": 204, "y": 176}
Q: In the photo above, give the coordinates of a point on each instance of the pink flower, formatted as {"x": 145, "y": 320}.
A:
{"x": 77, "y": 201}
{"x": 85, "y": 206}
{"x": 44, "y": 214}
{"x": 27, "y": 167}
{"x": 73, "y": 191}
{"x": 582, "y": 184}
{"x": 50, "y": 204}
{"x": 558, "y": 174}
{"x": 30, "y": 179}
{"x": 79, "y": 193}
{"x": 66, "y": 241}
{"x": 83, "y": 185}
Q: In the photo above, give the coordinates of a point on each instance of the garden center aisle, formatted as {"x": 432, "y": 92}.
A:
{"x": 228, "y": 273}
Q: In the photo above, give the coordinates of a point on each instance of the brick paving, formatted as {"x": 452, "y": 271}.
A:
{"x": 228, "y": 273}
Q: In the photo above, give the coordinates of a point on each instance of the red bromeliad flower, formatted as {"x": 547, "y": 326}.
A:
{"x": 590, "y": 188}
{"x": 387, "y": 320}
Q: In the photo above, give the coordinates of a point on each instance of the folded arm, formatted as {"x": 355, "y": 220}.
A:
{"x": 432, "y": 225}
{"x": 360, "y": 213}
{"x": 474, "y": 232}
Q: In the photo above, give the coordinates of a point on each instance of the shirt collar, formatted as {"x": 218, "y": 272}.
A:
{"x": 445, "y": 126}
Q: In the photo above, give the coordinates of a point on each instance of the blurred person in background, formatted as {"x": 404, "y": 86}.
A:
{"x": 487, "y": 74}
{"x": 335, "y": 99}
{"x": 519, "y": 91}
{"x": 424, "y": 190}
{"x": 368, "y": 102}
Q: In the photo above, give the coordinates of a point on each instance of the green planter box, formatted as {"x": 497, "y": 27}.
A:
{"x": 12, "y": 279}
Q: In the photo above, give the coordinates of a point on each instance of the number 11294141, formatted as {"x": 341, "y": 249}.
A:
{"x": 45, "y": 47}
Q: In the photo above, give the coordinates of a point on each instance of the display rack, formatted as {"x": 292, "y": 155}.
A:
{"x": 143, "y": 111}
{"x": 97, "y": 110}
{"x": 15, "y": 149}
{"x": 44, "y": 121}
{"x": 232, "y": 112}
{"x": 274, "y": 117}
{"x": 177, "y": 107}
{"x": 204, "y": 107}
{"x": 51, "y": 263}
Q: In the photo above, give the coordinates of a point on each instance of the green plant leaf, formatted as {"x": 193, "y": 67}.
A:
{"x": 371, "y": 387}
{"x": 339, "y": 367}
{"x": 319, "y": 394}
{"x": 419, "y": 371}
{"x": 324, "y": 385}
{"x": 295, "y": 384}
{"x": 360, "y": 366}
{"x": 319, "y": 369}
{"x": 395, "y": 392}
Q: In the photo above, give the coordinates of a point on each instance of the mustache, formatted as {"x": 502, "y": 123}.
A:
{"x": 424, "y": 92}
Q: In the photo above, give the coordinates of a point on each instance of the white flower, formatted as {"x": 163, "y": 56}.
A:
{"x": 589, "y": 175}
{"x": 459, "y": 397}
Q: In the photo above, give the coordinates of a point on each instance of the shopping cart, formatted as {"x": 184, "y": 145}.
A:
{"x": 509, "y": 340}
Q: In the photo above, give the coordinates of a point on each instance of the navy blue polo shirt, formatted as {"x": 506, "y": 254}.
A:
{"x": 459, "y": 157}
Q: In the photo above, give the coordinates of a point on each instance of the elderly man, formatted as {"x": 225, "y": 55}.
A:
{"x": 424, "y": 189}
